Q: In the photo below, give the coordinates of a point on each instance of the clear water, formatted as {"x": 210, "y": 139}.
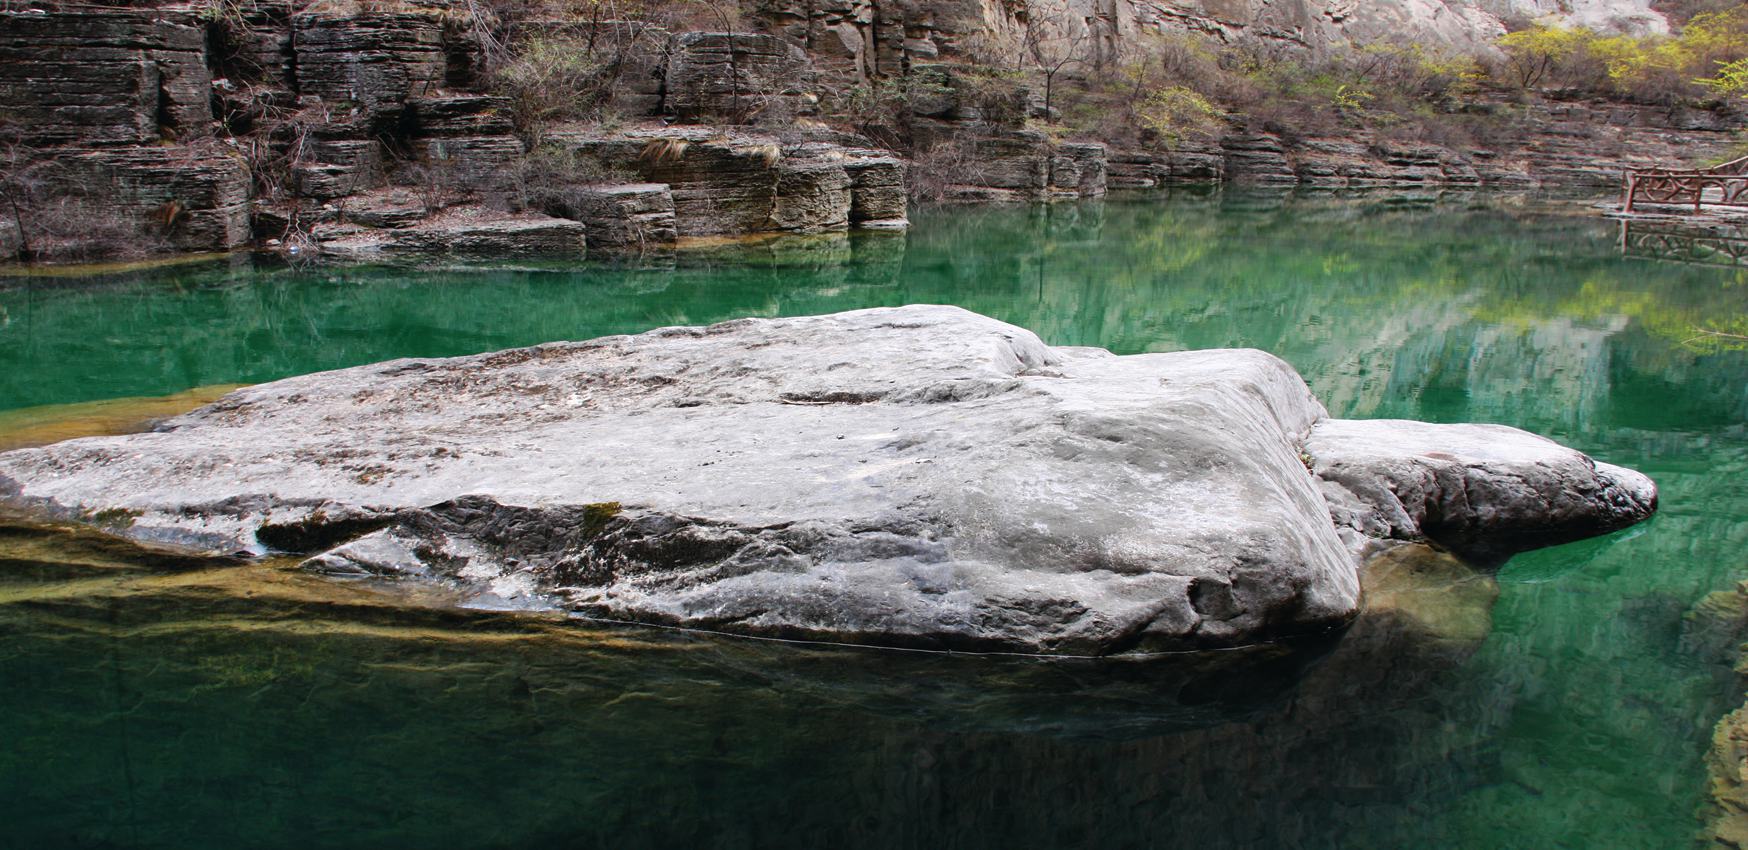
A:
{"x": 158, "y": 704}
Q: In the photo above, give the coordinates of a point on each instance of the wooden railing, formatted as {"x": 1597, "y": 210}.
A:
{"x": 1671, "y": 186}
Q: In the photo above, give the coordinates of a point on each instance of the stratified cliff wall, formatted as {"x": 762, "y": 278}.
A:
{"x": 883, "y": 36}
{"x": 381, "y": 129}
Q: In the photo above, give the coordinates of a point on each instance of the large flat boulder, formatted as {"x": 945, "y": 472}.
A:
{"x": 915, "y": 476}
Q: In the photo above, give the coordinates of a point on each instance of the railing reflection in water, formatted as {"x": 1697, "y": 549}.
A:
{"x": 1710, "y": 244}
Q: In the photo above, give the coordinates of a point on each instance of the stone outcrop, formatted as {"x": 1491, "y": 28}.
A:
{"x": 632, "y": 217}
{"x": 878, "y": 198}
{"x": 384, "y": 208}
{"x": 1129, "y": 169}
{"x": 370, "y": 61}
{"x": 734, "y": 76}
{"x": 470, "y": 162}
{"x": 119, "y": 76}
{"x": 460, "y": 233}
{"x": 339, "y": 167}
{"x": 330, "y": 102}
{"x": 871, "y": 37}
{"x": 458, "y": 116}
{"x": 1727, "y": 770}
{"x": 199, "y": 200}
{"x": 1026, "y": 166}
{"x": 730, "y": 183}
{"x": 1481, "y": 490}
{"x": 1712, "y": 633}
{"x": 1568, "y": 145}
{"x": 917, "y": 476}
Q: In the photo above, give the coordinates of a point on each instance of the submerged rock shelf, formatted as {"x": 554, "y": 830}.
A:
{"x": 918, "y": 476}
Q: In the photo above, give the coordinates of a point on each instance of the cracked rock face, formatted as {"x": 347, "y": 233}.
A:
{"x": 918, "y": 476}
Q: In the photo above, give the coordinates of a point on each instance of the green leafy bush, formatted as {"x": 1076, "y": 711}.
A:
{"x": 1651, "y": 69}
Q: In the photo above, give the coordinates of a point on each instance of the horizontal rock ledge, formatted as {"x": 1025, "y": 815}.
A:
{"x": 918, "y": 476}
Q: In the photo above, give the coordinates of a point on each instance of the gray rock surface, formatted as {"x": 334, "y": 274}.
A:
{"x": 461, "y": 233}
{"x": 373, "y": 61}
{"x": 877, "y": 193}
{"x": 1482, "y": 490}
{"x": 915, "y": 476}
{"x": 627, "y": 217}
{"x": 94, "y": 77}
{"x": 729, "y": 184}
{"x": 198, "y": 200}
{"x": 734, "y": 77}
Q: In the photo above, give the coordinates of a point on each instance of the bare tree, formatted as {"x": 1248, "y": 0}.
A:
{"x": 1055, "y": 39}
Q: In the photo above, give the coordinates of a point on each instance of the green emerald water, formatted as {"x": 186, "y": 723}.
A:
{"x": 164, "y": 704}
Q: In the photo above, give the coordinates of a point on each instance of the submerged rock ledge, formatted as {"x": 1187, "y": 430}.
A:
{"x": 916, "y": 476}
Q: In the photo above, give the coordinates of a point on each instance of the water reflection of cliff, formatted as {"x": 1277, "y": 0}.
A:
{"x": 1382, "y": 305}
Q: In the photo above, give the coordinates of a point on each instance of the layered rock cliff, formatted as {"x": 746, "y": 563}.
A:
{"x": 388, "y": 130}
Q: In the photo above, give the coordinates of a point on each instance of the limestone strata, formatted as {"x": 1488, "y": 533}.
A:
{"x": 1077, "y": 170}
{"x": 469, "y": 162}
{"x": 339, "y": 167}
{"x": 374, "y": 61}
{"x": 110, "y": 77}
{"x": 1025, "y": 166}
{"x": 877, "y": 194}
{"x": 883, "y": 36}
{"x": 632, "y": 217}
{"x": 198, "y": 199}
{"x": 917, "y": 476}
{"x": 384, "y": 208}
{"x": 733, "y": 76}
{"x": 459, "y": 115}
{"x": 731, "y": 183}
{"x": 379, "y": 95}
{"x": 1152, "y": 169}
{"x": 1563, "y": 145}
{"x": 458, "y": 234}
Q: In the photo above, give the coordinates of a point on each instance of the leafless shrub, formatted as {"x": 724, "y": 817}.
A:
{"x": 1055, "y": 39}
{"x": 548, "y": 178}
{"x": 434, "y": 183}
{"x": 552, "y": 79}
{"x": 936, "y": 169}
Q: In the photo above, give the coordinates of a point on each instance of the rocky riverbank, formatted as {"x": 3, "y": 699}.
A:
{"x": 375, "y": 133}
